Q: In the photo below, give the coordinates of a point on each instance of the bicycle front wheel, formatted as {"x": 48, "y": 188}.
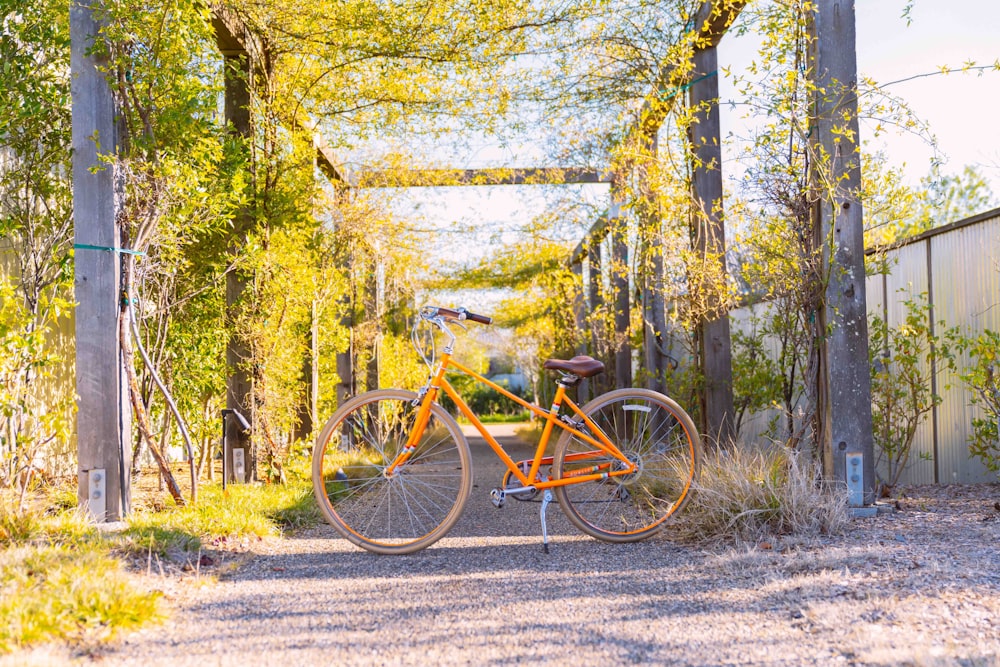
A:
{"x": 656, "y": 435}
{"x": 396, "y": 512}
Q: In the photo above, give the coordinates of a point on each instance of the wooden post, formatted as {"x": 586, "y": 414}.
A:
{"x": 305, "y": 414}
{"x": 345, "y": 367}
{"x": 373, "y": 320}
{"x": 579, "y": 318}
{"x": 239, "y": 390}
{"x": 621, "y": 296}
{"x": 314, "y": 369}
{"x": 103, "y": 420}
{"x": 710, "y": 235}
{"x": 595, "y": 303}
{"x": 346, "y": 386}
{"x": 654, "y": 316}
{"x": 844, "y": 383}
{"x": 654, "y": 311}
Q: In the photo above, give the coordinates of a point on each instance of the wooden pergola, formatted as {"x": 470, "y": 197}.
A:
{"x": 843, "y": 391}
{"x": 103, "y": 422}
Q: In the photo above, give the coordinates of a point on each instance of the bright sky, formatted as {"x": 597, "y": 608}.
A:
{"x": 961, "y": 108}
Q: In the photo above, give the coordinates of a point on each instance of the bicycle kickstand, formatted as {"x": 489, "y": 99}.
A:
{"x": 546, "y": 499}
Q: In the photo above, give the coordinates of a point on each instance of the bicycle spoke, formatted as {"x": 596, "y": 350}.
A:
{"x": 649, "y": 430}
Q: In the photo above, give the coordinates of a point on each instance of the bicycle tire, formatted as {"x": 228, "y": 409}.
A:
{"x": 403, "y": 512}
{"x": 653, "y": 431}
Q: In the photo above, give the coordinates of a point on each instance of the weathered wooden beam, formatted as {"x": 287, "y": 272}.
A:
{"x": 710, "y": 242}
{"x": 327, "y": 161}
{"x": 593, "y": 238}
{"x": 711, "y": 23}
{"x": 410, "y": 178}
{"x": 235, "y": 38}
{"x": 103, "y": 417}
{"x": 844, "y": 386}
{"x": 622, "y": 301}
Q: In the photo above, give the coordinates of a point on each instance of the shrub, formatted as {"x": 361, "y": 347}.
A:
{"x": 981, "y": 378}
{"x": 746, "y": 494}
{"x": 901, "y": 360}
{"x": 483, "y": 400}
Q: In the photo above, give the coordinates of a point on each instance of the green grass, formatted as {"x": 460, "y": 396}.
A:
{"x": 497, "y": 418}
{"x": 505, "y": 419}
{"x": 57, "y": 592}
{"x": 59, "y": 581}
{"x": 243, "y": 510}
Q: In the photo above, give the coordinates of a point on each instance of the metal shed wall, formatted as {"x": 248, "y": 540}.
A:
{"x": 908, "y": 280}
{"x": 966, "y": 293}
{"x": 957, "y": 267}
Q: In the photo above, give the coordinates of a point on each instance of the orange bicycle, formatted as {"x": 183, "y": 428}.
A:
{"x": 392, "y": 469}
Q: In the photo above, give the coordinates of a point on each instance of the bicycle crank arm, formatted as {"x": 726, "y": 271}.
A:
{"x": 499, "y": 496}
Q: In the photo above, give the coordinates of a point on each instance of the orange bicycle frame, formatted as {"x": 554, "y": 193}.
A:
{"x": 600, "y": 442}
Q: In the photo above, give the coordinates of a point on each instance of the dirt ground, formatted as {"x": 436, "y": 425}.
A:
{"x": 917, "y": 585}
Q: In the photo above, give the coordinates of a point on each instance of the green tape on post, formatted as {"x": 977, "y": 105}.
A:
{"x": 127, "y": 251}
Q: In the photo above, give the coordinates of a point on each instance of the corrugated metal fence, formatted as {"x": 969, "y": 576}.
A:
{"x": 958, "y": 267}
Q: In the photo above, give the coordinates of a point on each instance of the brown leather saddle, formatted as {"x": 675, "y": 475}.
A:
{"x": 581, "y": 366}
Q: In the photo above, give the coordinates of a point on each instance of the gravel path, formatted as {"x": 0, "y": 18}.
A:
{"x": 919, "y": 586}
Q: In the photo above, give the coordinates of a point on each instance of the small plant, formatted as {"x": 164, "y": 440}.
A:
{"x": 756, "y": 380}
{"x": 982, "y": 377}
{"x": 901, "y": 359}
{"x": 16, "y": 525}
{"x": 745, "y": 494}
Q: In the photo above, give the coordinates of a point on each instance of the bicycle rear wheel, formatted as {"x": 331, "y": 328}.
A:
{"x": 409, "y": 509}
{"x": 658, "y": 437}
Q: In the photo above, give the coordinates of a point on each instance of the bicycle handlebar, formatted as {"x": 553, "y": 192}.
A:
{"x": 457, "y": 314}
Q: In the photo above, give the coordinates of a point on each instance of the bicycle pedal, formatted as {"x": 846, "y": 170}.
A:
{"x": 498, "y": 497}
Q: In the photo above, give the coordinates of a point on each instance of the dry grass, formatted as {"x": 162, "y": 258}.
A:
{"x": 748, "y": 494}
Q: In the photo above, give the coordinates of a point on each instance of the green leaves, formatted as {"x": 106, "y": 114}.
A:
{"x": 982, "y": 377}
{"x": 36, "y": 391}
{"x": 903, "y": 359}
